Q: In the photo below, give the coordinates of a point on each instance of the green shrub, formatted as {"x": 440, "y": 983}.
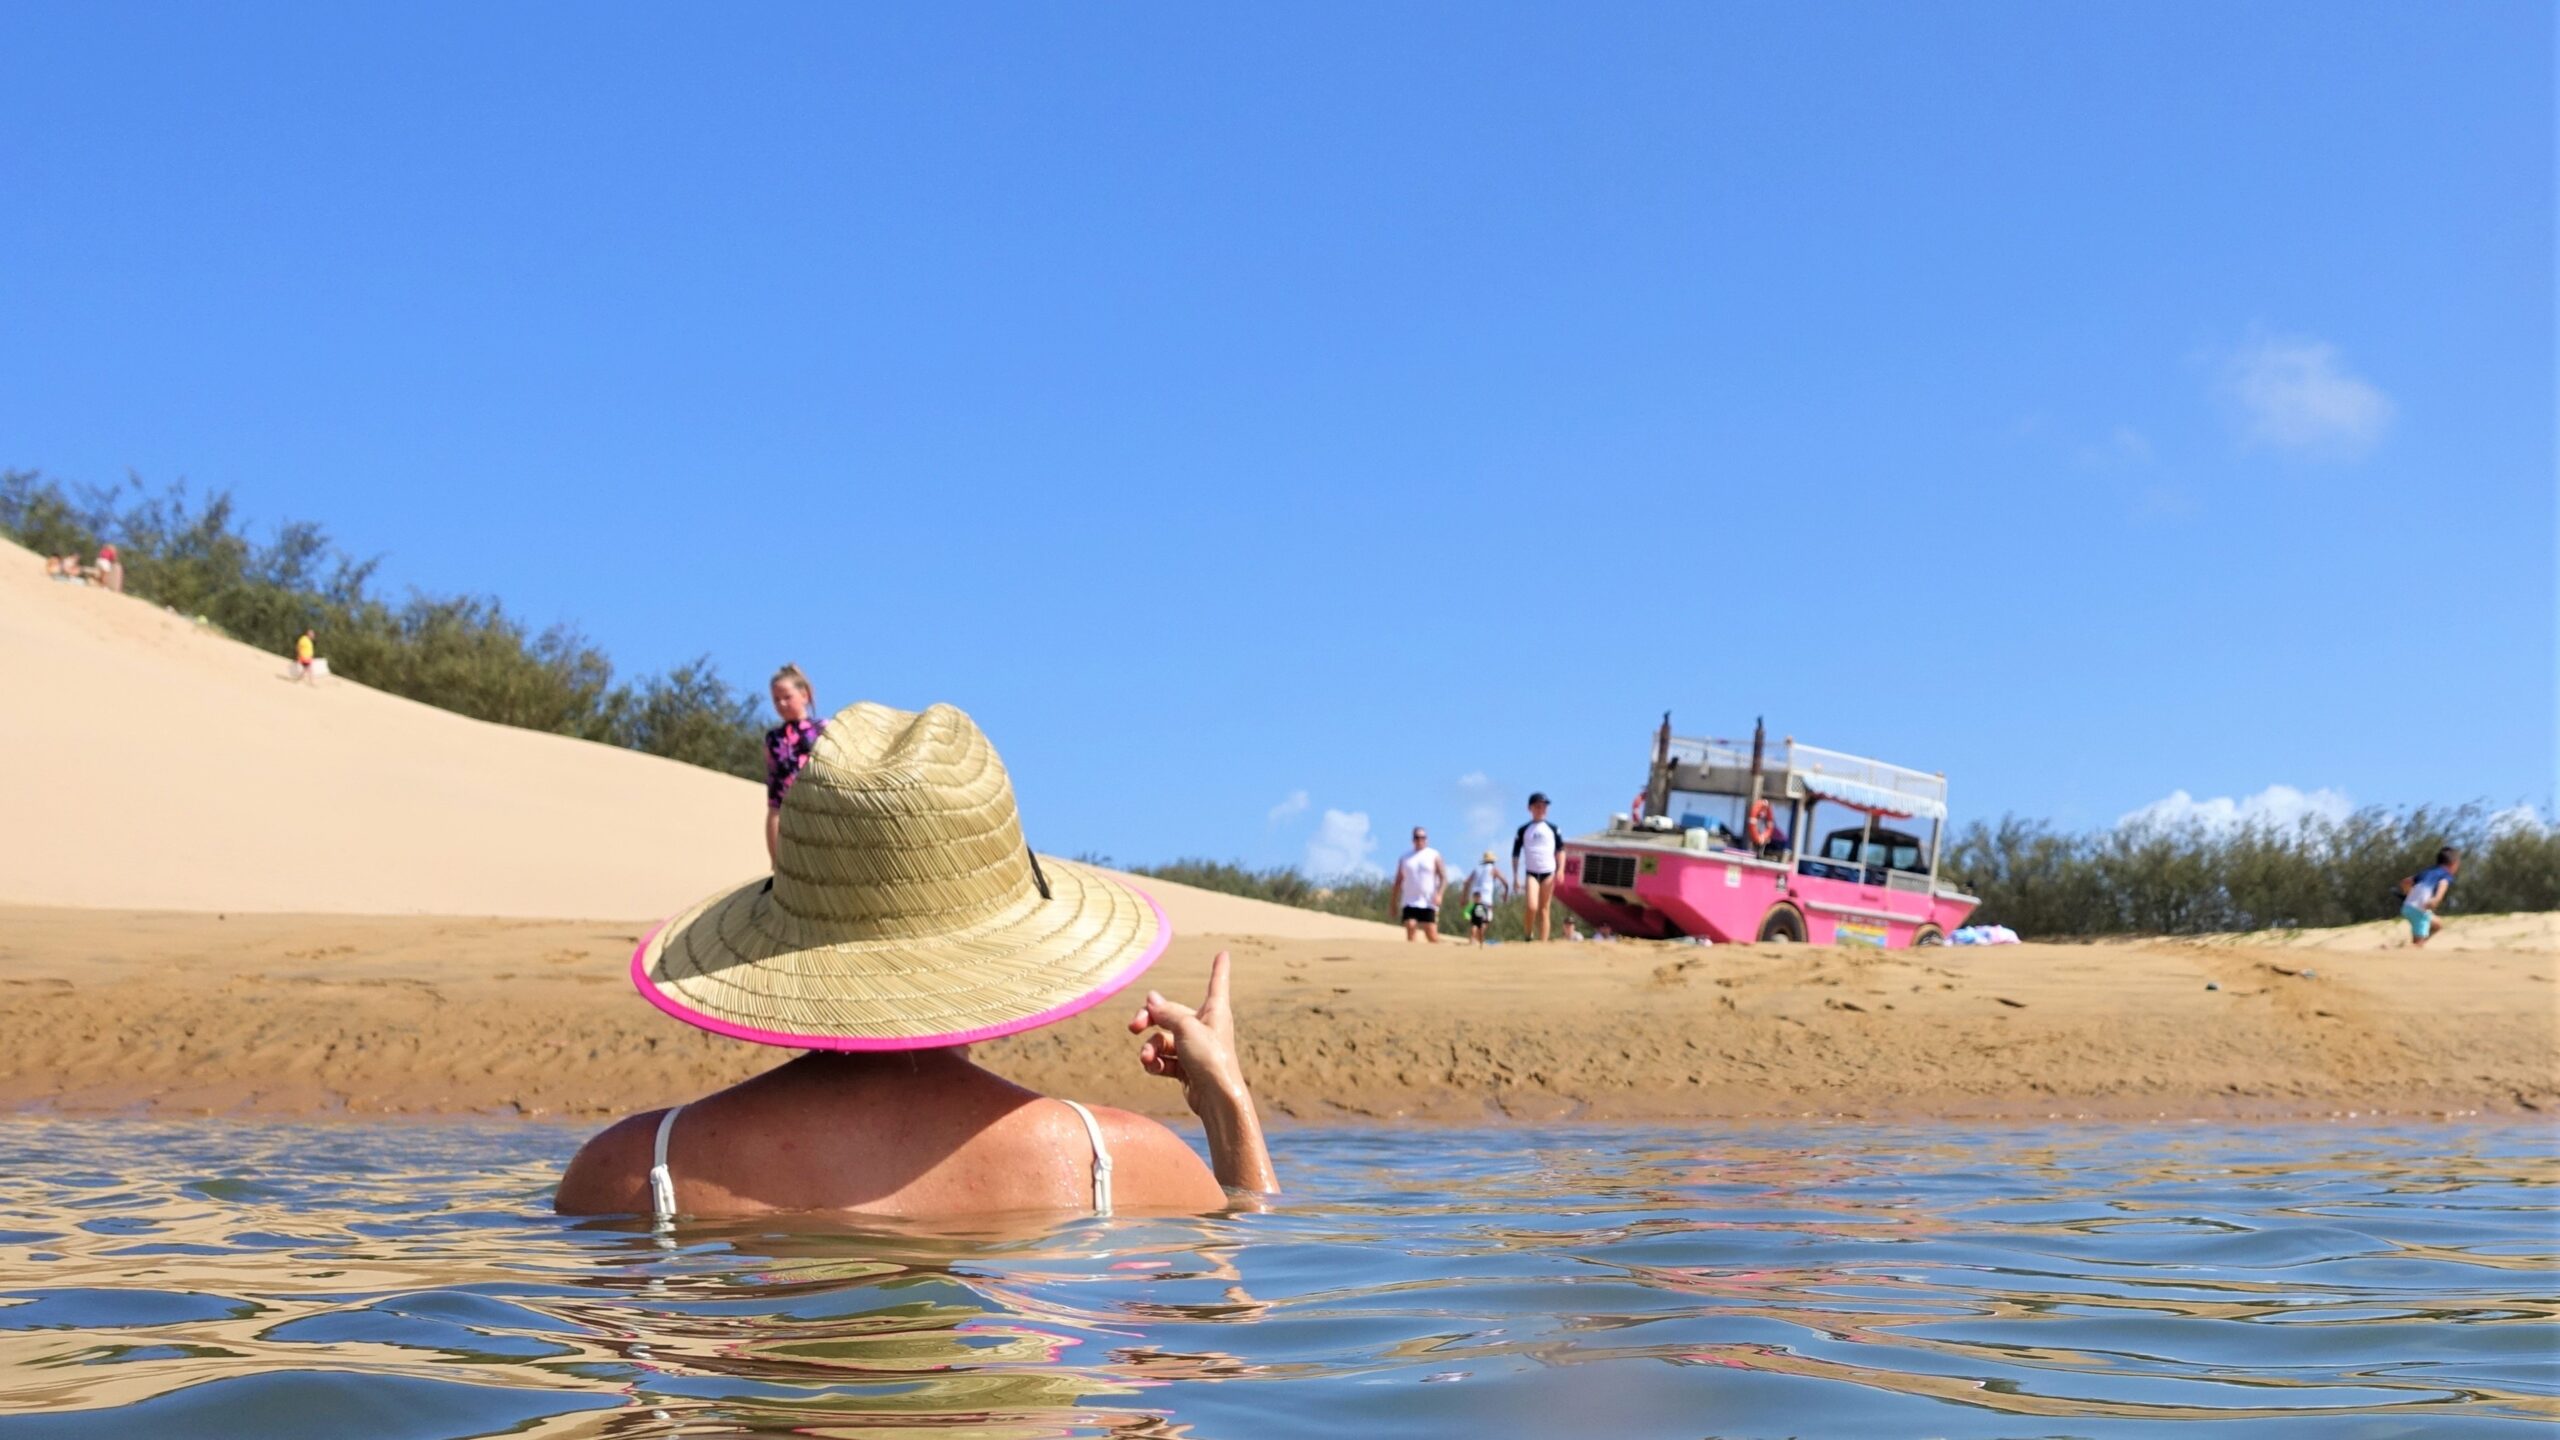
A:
{"x": 461, "y": 653}
{"x": 2192, "y": 879}
{"x": 2136, "y": 880}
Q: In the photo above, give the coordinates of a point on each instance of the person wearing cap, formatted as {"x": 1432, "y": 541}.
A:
{"x": 1534, "y": 850}
{"x": 905, "y": 920}
{"x": 1481, "y": 885}
{"x": 110, "y": 571}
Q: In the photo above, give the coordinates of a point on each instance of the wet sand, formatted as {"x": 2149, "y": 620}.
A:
{"x": 171, "y": 1013}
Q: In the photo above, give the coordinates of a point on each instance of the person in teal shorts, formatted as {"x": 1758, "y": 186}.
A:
{"x": 2425, "y": 893}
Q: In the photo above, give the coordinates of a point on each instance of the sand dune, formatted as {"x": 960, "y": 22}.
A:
{"x": 152, "y": 764}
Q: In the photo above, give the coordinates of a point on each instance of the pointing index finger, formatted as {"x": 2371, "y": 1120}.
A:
{"x": 1219, "y": 965}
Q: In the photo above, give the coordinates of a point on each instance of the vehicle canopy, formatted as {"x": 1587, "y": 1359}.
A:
{"x": 1789, "y": 770}
{"x": 1718, "y": 785}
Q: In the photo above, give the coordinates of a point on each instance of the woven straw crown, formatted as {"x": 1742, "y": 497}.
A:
{"x": 902, "y": 825}
{"x": 904, "y": 908}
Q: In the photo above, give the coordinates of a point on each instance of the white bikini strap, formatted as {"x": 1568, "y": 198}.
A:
{"x": 1101, "y": 1159}
{"x": 662, "y": 1181}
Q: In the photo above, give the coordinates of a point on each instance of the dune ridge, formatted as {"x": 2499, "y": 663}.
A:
{"x": 156, "y": 765}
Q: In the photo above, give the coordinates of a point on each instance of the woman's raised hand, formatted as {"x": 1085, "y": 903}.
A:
{"x": 1198, "y": 1048}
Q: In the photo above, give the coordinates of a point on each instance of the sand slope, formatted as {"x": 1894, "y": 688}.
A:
{"x": 2455, "y": 932}
{"x": 178, "y": 1014}
{"x": 147, "y": 763}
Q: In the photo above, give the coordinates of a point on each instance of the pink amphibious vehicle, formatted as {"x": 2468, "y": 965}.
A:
{"x": 1716, "y": 848}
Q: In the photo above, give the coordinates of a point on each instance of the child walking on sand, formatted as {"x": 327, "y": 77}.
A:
{"x": 787, "y": 747}
{"x": 1482, "y": 888}
{"x": 2426, "y": 892}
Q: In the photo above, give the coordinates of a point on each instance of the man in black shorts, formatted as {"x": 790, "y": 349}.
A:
{"x": 1534, "y": 851}
{"x": 1421, "y": 879}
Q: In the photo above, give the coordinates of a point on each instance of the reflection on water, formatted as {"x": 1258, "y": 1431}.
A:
{"x": 409, "y": 1281}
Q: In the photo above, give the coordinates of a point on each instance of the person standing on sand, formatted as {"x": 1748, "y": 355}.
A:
{"x": 1481, "y": 898}
{"x": 1422, "y": 877}
{"x": 110, "y": 571}
{"x": 2426, "y": 892}
{"x": 787, "y": 747}
{"x": 305, "y": 650}
{"x": 1534, "y": 849}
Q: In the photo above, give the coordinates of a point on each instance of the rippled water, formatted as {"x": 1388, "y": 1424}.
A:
{"x": 410, "y": 1281}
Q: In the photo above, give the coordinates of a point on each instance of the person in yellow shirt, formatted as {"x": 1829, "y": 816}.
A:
{"x": 303, "y": 651}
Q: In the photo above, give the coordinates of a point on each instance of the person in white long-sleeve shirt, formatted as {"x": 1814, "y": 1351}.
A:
{"x": 1535, "y": 849}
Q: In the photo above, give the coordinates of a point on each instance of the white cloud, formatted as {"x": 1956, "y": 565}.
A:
{"x": 2518, "y": 820}
{"x": 1290, "y": 808}
{"x": 1482, "y": 806}
{"x": 2294, "y": 394}
{"x": 2124, "y": 446}
{"x": 2164, "y": 502}
{"x": 2277, "y": 807}
{"x": 1342, "y": 845}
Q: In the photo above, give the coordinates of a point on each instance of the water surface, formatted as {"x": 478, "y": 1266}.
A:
{"x": 269, "y": 1280}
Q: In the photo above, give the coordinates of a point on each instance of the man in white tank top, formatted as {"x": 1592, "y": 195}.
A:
{"x": 1535, "y": 850}
{"x": 1421, "y": 879}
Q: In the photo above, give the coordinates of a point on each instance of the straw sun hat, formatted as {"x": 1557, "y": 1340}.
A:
{"x": 904, "y": 910}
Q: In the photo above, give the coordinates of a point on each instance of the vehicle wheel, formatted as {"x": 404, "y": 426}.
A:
{"x": 1928, "y": 935}
{"x": 1782, "y": 925}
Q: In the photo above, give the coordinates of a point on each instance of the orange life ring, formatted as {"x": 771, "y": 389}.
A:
{"x": 1763, "y": 826}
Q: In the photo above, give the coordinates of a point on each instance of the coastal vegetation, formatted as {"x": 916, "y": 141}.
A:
{"x": 2192, "y": 879}
{"x": 2128, "y": 880}
{"x": 464, "y": 653}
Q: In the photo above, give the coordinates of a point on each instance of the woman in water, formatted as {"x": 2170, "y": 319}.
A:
{"x": 906, "y": 919}
{"x": 787, "y": 747}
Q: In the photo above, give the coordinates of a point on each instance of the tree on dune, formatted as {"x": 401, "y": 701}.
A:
{"x": 463, "y": 653}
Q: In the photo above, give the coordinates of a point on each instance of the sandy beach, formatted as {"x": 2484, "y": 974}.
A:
{"x": 181, "y": 1014}
{"x": 280, "y": 899}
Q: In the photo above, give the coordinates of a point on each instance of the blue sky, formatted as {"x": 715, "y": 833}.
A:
{"x": 1374, "y": 409}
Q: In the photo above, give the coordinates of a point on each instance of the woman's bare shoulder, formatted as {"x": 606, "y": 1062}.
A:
{"x": 610, "y": 1173}
{"x": 1153, "y": 1168}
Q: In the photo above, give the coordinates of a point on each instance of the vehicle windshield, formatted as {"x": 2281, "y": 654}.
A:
{"x": 1726, "y": 815}
{"x": 1887, "y": 850}
{"x": 1697, "y": 810}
